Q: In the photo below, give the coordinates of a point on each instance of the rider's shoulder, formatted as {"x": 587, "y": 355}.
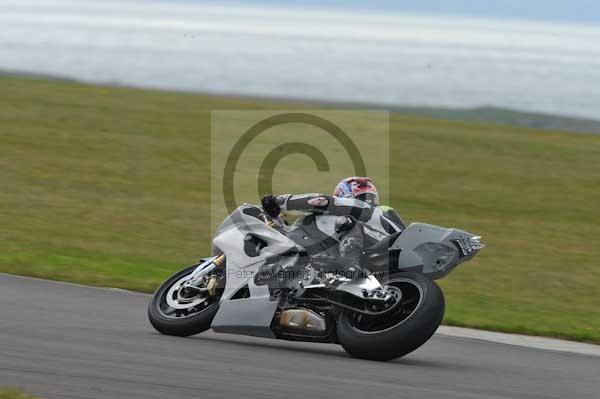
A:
{"x": 386, "y": 208}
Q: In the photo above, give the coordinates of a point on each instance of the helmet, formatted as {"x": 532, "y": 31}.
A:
{"x": 361, "y": 188}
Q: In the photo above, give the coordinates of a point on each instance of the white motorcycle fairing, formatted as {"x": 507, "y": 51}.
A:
{"x": 246, "y": 308}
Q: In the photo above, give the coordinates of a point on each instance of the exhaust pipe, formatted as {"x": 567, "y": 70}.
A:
{"x": 302, "y": 321}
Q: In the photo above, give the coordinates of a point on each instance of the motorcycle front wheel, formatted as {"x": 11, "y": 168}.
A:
{"x": 173, "y": 312}
{"x": 401, "y": 330}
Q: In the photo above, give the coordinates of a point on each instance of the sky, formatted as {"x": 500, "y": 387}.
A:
{"x": 578, "y": 11}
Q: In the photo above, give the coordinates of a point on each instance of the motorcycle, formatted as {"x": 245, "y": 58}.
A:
{"x": 270, "y": 280}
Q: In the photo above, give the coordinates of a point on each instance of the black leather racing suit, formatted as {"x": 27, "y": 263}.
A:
{"x": 359, "y": 223}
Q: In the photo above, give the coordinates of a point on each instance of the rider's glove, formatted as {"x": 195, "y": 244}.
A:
{"x": 270, "y": 205}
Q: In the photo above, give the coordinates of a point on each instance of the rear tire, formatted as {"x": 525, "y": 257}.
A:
{"x": 181, "y": 326}
{"x": 396, "y": 339}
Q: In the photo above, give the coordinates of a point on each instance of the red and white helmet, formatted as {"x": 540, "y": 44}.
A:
{"x": 361, "y": 188}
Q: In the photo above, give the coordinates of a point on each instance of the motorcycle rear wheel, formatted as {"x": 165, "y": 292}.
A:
{"x": 170, "y": 317}
{"x": 400, "y": 331}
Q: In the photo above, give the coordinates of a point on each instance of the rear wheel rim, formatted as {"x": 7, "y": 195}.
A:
{"x": 410, "y": 302}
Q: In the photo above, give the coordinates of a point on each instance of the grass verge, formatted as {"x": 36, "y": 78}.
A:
{"x": 109, "y": 186}
{"x": 14, "y": 394}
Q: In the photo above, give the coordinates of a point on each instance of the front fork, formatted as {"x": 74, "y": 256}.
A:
{"x": 198, "y": 278}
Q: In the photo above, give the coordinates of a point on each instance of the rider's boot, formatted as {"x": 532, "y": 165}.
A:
{"x": 351, "y": 247}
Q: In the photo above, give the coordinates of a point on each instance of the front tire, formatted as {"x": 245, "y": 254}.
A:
{"x": 180, "y": 321}
{"x": 400, "y": 332}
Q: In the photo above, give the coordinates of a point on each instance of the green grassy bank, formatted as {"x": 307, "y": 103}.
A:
{"x": 110, "y": 187}
{"x": 14, "y": 394}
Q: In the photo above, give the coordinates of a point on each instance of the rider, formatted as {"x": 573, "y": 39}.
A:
{"x": 361, "y": 218}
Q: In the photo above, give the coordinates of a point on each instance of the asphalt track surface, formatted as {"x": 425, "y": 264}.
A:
{"x": 66, "y": 341}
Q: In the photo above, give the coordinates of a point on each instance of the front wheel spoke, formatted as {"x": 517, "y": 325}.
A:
{"x": 177, "y": 304}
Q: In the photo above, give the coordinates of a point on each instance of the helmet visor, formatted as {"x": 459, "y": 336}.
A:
{"x": 369, "y": 198}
